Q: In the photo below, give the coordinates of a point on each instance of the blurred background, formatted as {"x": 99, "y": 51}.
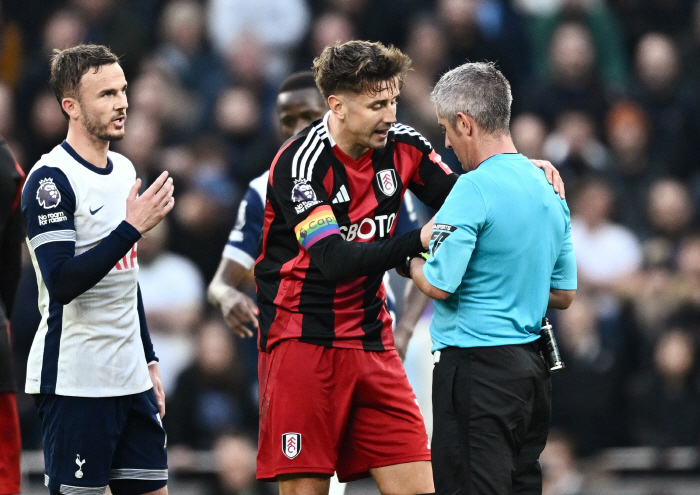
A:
{"x": 607, "y": 90}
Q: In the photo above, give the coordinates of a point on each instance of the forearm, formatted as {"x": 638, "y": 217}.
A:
{"x": 414, "y": 304}
{"x": 145, "y": 334}
{"x": 227, "y": 277}
{"x": 339, "y": 259}
{"x": 67, "y": 276}
{"x": 422, "y": 283}
{"x": 560, "y": 299}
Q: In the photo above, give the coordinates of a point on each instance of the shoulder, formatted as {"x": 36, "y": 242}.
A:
{"x": 121, "y": 163}
{"x": 259, "y": 185}
{"x": 298, "y": 156}
{"x": 406, "y": 134}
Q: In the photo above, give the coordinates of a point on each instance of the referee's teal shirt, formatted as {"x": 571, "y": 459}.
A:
{"x": 500, "y": 241}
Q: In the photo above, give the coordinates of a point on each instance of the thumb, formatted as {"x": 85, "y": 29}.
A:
{"x": 135, "y": 190}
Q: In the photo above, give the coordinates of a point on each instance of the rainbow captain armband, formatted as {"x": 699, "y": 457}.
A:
{"x": 319, "y": 224}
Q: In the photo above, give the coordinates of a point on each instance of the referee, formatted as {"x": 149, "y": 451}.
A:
{"x": 500, "y": 255}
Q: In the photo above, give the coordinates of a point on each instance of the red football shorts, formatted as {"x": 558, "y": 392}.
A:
{"x": 326, "y": 410}
{"x": 10, "y": 445}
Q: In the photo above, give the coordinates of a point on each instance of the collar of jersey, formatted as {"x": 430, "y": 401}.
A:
{"x": 102, "y": 171}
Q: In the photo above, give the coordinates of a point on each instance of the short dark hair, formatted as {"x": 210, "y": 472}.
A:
{"x": 299, "y": 80}
{"x": 478, "y": 89}
{"x": 360, "y": 67}
{"x": 69, "y": 65}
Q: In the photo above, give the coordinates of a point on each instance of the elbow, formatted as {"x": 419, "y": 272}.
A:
{"x": 61, "y": 297}
{"x": 562, "y": 299}
{"x": 439, "y": 295}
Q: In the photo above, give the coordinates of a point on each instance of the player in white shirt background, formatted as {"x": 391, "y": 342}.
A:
{"x": 92, "y": 368}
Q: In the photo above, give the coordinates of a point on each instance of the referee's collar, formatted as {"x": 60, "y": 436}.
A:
{"x": 98, "y": 170}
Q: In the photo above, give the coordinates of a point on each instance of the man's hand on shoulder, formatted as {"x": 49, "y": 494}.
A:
{"x": 147, "y": 210}
{"x": 552, "y": 175}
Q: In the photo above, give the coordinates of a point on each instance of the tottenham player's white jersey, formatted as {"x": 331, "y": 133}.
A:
{"x": 90, "y": 347}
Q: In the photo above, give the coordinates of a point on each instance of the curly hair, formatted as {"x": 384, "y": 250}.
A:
{"x": 359, "y": 67}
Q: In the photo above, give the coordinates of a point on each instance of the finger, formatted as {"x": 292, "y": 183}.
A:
{"x": 157, "y": 184}
{"x": 133, "y": 194}
{"x": 169, "y": 206}
{"x": 252, "y": 313}
{"x": 166, "y": 189}
{"x": 549, "y": 174}
{"x": 242, "y": 331}
{"x": 166, "y": 198}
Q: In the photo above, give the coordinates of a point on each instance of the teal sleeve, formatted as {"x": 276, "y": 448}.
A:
{"x": 564, "y": 273}
{"x": 455, "y": 229}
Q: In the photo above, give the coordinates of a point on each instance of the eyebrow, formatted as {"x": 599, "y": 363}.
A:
{"x": 111, "y": 90}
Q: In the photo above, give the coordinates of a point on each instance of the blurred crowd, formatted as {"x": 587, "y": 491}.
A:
{"x": 607, "y": 90}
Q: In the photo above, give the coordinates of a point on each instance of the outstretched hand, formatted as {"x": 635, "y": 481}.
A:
{"x": 147, "y": 210}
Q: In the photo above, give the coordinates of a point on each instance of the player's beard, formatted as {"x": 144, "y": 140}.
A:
{"x": 101, "y": 130}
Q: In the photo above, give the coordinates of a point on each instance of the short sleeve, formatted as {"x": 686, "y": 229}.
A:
{"x": 564, "y": 274}
{"x": 244, "y": 237}
{"x": 48, "y": 204}
{"x": 456, "y": 227}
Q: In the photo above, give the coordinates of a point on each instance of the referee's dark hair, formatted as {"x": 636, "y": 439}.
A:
{"x": 69, "y": 65}
{"x": 299, "y": 80}
{"x": 360, "y": 67}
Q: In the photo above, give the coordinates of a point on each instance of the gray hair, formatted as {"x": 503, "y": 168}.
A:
{"x": 479, "y": 90}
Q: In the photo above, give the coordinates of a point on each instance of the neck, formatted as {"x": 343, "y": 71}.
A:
{"x": 89, "y": 147}
{"x": 344, "y": 139}
{"x": 491, "y": 145}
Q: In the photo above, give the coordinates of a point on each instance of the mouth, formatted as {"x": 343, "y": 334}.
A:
{"x": 382, "y": 133}
{"x": 119, "y": 121}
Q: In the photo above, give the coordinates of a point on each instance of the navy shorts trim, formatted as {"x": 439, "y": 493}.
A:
{"x": 89, "y": 441}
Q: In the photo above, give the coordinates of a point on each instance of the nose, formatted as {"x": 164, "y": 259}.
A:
{"x": 447, "y": 143}
{"x": 390, "y": 114}
{"x": 122, "y": 102}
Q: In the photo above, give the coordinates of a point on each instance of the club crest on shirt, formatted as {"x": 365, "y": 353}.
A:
{"x": 291, "y": 444}
{"x": 387, "y": 181}
{"x": 48, "y": 194}
{"x": 303, "y": 191}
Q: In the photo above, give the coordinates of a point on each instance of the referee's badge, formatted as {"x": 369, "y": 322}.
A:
{"x": 387, "y": 181}
{"x": 291, "y": 444}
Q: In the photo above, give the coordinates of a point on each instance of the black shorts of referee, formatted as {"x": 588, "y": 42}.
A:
{"x": 491, "y": 412}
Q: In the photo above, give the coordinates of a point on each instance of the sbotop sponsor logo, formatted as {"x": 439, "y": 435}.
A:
{"x": 368, "y": 228}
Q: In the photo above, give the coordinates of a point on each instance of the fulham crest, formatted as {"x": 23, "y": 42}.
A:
{"x": 291, "y": 444}
{"x": 387, "y": 181}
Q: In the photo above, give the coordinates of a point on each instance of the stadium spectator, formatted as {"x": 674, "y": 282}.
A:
{"x": 561, "y": 474}
{"x": 665, "y": 401}
{"x": 589, "y": 394}
{"x": 529, "y": 133}
{"x": 234, "y": 456}
{"x": 572, "y": 82}
{"x": 212, "y": 395}
{"x": 669, "y": 210}
{"x": 671, "y": 103}
{"x": 172, "y": 289}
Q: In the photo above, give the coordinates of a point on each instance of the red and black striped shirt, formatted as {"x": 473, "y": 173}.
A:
{"x": 311, "y": 181}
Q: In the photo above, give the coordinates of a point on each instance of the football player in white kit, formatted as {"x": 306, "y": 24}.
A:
{"x": 92, "y": 368}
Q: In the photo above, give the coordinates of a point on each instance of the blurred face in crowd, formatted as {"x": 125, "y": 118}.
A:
{"x": 101, "y": 102}
{"x": 572, "y": 52}
{"x": 366, "y": 117}
{"x": 298, "y": 108}
{"x": 670, "y": 206}
{"x": 657, "y": 62}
